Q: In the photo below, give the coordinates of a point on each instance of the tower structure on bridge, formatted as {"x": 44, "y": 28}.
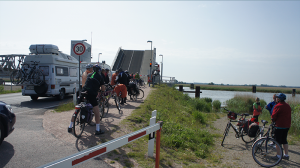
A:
{"x": 134, "y": 61}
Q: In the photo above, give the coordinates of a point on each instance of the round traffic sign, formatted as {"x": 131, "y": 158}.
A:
{"x": 79, "y": 48}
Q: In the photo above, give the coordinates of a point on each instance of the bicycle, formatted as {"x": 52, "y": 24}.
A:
{"x": 136, "y": 95}
{"x": 263, "y": 152}
{"x": 239, "y": 131}
{"x": 105, "y": 98}
{"x": 117, "y": 101}
{"x": 35, "y": 76}
{"x": 82, "y": 116}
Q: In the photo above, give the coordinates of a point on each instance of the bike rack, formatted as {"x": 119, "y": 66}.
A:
{"x": 85, "y": 155}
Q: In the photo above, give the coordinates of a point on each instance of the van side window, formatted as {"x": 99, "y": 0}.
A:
{"x": 73, "y": 72}
{"x": 45, "y": 70}
{"x": 61, "y": 71}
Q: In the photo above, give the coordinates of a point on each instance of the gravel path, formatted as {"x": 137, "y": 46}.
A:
{"x": 57, "y": 124}
{"x": 236, "y": 153}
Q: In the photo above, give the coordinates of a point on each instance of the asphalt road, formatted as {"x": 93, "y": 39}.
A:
{"x": 29, "y": 145}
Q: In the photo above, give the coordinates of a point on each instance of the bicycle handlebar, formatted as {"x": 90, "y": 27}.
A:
{"x": 244, "y": 114}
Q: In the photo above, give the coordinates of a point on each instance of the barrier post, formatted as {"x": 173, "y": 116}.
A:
{"x": 181, "y": 88}
{"x": 75, "y": 94}
{"x": 151, "y": 135}
{"x": 158, "y": 145}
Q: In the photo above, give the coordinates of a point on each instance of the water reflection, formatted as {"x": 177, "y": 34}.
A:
{"x": 226, "y": 95}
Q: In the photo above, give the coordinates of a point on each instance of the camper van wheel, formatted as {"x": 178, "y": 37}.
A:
{"x": 61, "y": 95}
{"x": 34, "y": 97}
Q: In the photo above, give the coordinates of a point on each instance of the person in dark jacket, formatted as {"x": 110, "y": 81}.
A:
{"x": 93, "y": 83}
{"x": 282, "y": 117}
{"x": 106, "y": 76}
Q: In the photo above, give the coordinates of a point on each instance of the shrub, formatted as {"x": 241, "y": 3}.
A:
{"x": 207, "y": 99}
{"x": 216, "y": 104}
{"x": 1, "y": 88}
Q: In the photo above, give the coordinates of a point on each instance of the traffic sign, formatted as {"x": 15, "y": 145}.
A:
{"x": 79, "y": 48}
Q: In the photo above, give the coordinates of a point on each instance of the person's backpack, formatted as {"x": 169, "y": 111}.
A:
{"x": 259, "y": 108}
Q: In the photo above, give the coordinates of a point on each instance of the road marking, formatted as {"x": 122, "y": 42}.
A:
{"x": 36, "y": 109}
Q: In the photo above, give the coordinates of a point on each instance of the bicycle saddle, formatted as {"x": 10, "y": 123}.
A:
{"x": 264, "y": 121}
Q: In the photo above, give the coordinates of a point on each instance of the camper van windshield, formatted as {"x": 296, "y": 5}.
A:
{"x": 45, "y": 70}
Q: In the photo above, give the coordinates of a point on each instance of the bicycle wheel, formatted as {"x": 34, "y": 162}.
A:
{"x": 117, "y": 101}
{"x": 101, "y": 109}
{"x": 106, "y": 108}
{"x": 16, "y": 77}
{"x": 225, "y": 133}
{"x": 263, "y": 154}
{"x": 248, "y": 139}
{"x": 78, "y": 125}
{"x": 141, "y": 94}
{"x": 37, "y": 77}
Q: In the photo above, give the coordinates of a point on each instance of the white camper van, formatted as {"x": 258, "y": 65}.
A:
{"x": 60, "y": 71}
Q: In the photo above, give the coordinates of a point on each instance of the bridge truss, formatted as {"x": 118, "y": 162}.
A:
{"x": 11, "y": 62}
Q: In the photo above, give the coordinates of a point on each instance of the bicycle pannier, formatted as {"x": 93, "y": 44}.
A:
{"x": 232, "y": 115}
{"x": 86, "y": 113}
{"x": 253, "y": 128}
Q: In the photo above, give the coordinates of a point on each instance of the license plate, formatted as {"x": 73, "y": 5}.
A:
{"x": 29, "y": 87}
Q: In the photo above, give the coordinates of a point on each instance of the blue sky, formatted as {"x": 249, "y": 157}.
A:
{"x": 229, "y": 42}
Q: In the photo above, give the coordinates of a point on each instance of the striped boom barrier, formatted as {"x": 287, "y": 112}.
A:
{"x": 83, "y": 156}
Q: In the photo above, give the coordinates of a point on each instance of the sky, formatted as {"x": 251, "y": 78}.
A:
{"x": 229, "y": 42}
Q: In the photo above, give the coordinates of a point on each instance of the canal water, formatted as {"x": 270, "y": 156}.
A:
{"x": 222, "y": 96}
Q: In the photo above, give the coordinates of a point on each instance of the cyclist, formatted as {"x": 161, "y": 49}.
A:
{"x": 271, "y": 105}
{"x": 113, "y": 78}
{"x": 93, "y": 83}
{"x": 256, "y": 109}
{"x": 122, "y": 79}
{"x": 89, "y": 69}
{"x": 282, "y": 117}
{"x": 106, "y": 79}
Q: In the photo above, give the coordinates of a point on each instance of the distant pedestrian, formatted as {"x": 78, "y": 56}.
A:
{"x": 271, "y": 105}
{"x": 256, "y": 109}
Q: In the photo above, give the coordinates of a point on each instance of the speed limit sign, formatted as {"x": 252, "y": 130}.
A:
{"x": 79, "y": 48}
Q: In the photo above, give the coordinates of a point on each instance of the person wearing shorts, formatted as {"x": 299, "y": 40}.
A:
{"x": 92, "y": 85}
{"x": 282, "y": 117}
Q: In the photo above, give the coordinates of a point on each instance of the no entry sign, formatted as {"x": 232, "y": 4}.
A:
{"x": 79, "y": 48}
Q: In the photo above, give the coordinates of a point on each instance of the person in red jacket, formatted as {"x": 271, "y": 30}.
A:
{"x": 282, "y": 117}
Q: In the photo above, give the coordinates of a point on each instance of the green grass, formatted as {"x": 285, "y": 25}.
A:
{"x": 2, "y": 91}
{"x": 185, "y": 139}
{"x": 65, "y": 107}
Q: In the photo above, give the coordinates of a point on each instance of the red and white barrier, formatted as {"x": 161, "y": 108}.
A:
{"x": 83, "y": 156}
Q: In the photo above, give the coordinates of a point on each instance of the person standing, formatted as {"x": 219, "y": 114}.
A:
{"x": 113, "y": 78}
{"x": 123, "y": 79}
{"x": 282, "y": 117}
{"x": 271, "y": 105}
{"x": 93, "y": 83}
{"x": 106, "y": 76}
{"x": 89, "y": 69}
{"x": 256, "y": 109}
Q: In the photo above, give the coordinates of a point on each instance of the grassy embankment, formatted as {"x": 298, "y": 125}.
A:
{"x": 245, "y": 88}
{"x": 244, "y": 104}
{"x": 4, "y": 91}
{"x": 185, "y": 139}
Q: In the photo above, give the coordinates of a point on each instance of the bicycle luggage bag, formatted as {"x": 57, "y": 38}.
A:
{"x": 86, "y": 113}
{"x": 232, "y": 115}
{"x": 253, "y": 128}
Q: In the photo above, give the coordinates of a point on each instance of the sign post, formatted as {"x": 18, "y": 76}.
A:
{"x": 79, "y": 49}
